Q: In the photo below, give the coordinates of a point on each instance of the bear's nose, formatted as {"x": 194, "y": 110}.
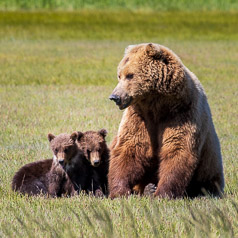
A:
{"x": 61, "y": 162}
{"x": 96, "y": 163}
{"x": 115, "y": 98}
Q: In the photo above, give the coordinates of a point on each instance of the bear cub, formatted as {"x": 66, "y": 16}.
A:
{"x": 49, "y": 177}
{"x": 80, "y": 163}
{"x": 96, "y": 161}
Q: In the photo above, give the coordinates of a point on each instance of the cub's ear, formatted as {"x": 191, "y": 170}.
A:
{"x": 50, "y": 137}
{"x": 153, "y": 50}
{"x": 80, "y": 134}
{"x": 103, "y": 132}
{"x": 74, "y": 136}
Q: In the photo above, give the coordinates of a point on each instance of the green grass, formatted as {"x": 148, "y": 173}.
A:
{"x": 118, "y": 25}
{"x": 53, "y": 47}
{"x": 163, "y": 5}
{"x": 56, "y": 76}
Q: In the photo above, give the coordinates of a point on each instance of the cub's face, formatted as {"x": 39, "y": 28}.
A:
{"x": 64, "y": 147}
{"x": 93, "y": 144}
{"x": 135, "y": 76}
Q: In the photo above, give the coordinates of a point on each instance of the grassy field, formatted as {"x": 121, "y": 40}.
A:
{"x": 57, "y": 71}
{"x": 164, "y": 5}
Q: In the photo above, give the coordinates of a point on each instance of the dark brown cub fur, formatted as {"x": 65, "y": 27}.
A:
{"x": 49, "y": 176}
{"x": 96, "y": 159}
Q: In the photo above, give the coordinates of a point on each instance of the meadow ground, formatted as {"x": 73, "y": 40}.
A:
{"x": 57, "y": 71}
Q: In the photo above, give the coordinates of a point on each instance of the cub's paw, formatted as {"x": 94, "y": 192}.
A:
{"x": 150, "y": 189}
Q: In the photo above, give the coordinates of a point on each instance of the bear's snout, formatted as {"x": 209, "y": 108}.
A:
{"x": 122, "y": 101}
{"x": 115, "y": 98}
{"x": 96, "y": 163}
{"x": 95, "y": 158}
{"x": 120, "y": 96}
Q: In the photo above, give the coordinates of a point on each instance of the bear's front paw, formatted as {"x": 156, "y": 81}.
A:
{"x": 150, "y": 189}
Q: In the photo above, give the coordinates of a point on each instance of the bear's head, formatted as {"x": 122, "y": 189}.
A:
{"x": 64, "y": 147}
{"x": 93, "y": 145}
{"x": 147, "y": 69}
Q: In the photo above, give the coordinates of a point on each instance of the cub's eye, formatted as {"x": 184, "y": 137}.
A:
{"x": 56, "y": 151}
{"x": 66, "y": 150}
{"x": 129, "y": 76}
{"x": 88, "y": 152}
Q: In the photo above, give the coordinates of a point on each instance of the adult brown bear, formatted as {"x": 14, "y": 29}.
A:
{"x": 166, "y": 135}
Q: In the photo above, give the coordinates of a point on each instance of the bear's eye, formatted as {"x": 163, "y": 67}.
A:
{"x": 56, "y": 151}
{"x": 129, "y": 76}
{"x": 66, "y": 150}
{"x": 88, "y": 152}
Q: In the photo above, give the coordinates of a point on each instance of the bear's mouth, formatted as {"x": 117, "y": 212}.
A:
{"x": 61, "y": 162}
{"x": 125, "y": 103}
{"x": 95, "y": 164}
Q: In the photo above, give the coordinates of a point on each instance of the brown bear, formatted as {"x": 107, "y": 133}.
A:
{"x": 70, "y": 169}
{"x": 96, "y": 160}
{"x": 166, "y": 135}
{"x": 49, "y": 176}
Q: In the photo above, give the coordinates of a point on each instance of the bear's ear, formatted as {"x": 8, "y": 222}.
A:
{"x": 103, "y": 132}
{"x": 74, "y": 136}
{"x": 50, "y": 137}
{"x": 80, "y": 134}
{"x": 153, "y": 50}
{"x": 128, "y": 49}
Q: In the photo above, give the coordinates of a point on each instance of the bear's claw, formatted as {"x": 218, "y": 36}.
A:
{"x": 150, "y": 189}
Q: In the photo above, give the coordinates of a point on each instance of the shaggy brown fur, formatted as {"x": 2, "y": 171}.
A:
{"x": 96, "y": 160}
{"x": 49, "y": 176}
{"x": 166, "y": 135}
{"x": 80, "y": 163}
{"x": 31, "y": 178}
